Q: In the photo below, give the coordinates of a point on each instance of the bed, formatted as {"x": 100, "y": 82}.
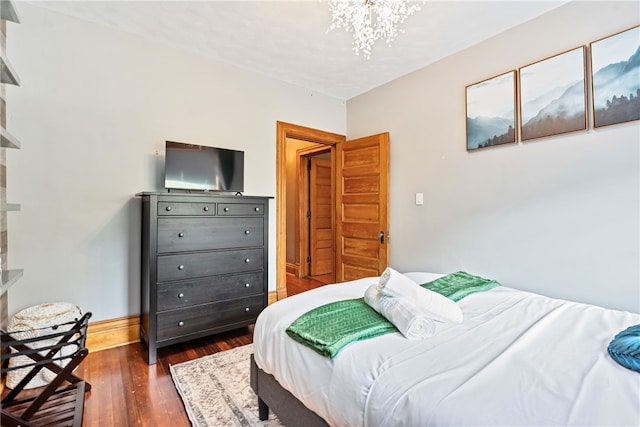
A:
{"x": 518, "y": 358}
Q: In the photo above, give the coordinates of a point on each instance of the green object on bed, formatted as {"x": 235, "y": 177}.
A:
{"x": 460, "y": 284}
{"x": 327, "y": 329}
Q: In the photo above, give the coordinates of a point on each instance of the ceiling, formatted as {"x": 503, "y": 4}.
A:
{"x": 288, "y": 40}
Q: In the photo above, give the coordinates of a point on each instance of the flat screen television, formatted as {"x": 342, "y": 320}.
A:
{"x": 198, "y": 167}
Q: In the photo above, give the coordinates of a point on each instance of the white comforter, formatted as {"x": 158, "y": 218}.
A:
{"x": 517, "y": 359}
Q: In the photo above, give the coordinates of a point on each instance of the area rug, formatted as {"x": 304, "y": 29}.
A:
{"x": 215, "y": 390}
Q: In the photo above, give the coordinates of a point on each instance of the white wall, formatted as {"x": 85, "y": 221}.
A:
{"x": 93, "y": 111}
{"x": 559, "y": 216}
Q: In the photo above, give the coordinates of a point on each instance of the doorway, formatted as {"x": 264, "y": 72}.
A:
{"x": 314, "y": 216}
{"x": 360, "y": 212}
{"x": 288, "y": 138}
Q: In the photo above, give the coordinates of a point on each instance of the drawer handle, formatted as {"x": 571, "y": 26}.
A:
{"x": 247, "y": 260}
{"x": 168, "y": 208}
{"x": 247, "y": 232}
{"x": 180, "y": 234}
{"x": 206, "y": 208}
{"x": 226, "y": 209}
{"x": 181, "y": 267}
{"x": 180, "y": 295}
{"x": 247, "y": 285}
{"x": 181, "y": 323}
{"x": 257, "y": 209}
{"x": 246, "y": 309}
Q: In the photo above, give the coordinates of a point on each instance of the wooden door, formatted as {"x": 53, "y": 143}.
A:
{"x": 362, "y": 207}
{"x": 321, "y": 226}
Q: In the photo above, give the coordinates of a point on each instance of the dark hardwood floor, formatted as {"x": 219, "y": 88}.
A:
{"x": 127, "y": 392}
{"x": 296, "y": 285}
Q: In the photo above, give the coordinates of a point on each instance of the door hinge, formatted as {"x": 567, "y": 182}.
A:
{"x": 308, "y": 214}
{"x": 308, "y": 260}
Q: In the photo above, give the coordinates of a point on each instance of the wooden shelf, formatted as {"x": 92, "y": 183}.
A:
{"x": 9, "y": 207}
{"x": 9, "y": 277}
{"x": 7, "y": 140}
{"x": 8, "y": 12}
{"x": 8, "y": 75}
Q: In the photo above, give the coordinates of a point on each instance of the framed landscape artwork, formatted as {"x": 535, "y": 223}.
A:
{"x": 491, "y": 112}
{"x": 553, "y": 95}
{"x": 615, "y": 68}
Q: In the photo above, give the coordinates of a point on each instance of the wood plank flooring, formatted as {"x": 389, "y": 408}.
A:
{"x": 127, "y": 392}
{"x": 295, "y": 285}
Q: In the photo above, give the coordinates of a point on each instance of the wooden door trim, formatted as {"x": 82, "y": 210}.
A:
{"x": 303, "y": 156}
{"x": 302, "y": 202}
{"x": 283, "y": 131}
{"x": 317, "y": 225}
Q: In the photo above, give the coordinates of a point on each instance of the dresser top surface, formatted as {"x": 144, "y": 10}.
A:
{"x": 210, "y": 194}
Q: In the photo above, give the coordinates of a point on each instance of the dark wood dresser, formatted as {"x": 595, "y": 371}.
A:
{"x": 204, "y": 265}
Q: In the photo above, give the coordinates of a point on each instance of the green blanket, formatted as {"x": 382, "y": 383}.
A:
{"x": 459, "y": 285}
{"x": 330, "y": 327}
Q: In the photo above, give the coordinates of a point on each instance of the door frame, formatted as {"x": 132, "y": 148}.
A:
{"x": 283, "y": 132}
{"x": 303, "y": 157}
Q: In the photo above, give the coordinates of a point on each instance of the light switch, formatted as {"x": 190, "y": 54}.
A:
{"x": 419, "y": 198}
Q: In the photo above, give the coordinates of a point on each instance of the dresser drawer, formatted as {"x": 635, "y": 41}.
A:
{"x": 202, "y": 264}
{"x": 196, "y": 319}
{"x": 203, "y": 208}
{"x": 200, "y": 291}
{"x": 194, "y": 234}
{"x": 225, "y": 209}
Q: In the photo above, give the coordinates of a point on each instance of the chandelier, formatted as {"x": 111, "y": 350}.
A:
{"x": 370, "y": 20}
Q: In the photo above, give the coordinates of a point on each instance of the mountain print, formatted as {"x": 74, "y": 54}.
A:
{"x": 616, "y": 90}
{"x": 491, "y": 112}
{"x": 548, "y": 108}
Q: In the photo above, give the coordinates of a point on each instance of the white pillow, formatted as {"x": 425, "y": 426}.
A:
{"x": 428, "y": 302}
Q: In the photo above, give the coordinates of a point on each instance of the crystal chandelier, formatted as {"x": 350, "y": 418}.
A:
{"x": 370, "y": 20}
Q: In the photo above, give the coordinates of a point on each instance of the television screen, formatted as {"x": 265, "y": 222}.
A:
{"x": 197, "y": 167}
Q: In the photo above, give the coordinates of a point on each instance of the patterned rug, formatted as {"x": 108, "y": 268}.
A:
{"x": 216, "y": 392}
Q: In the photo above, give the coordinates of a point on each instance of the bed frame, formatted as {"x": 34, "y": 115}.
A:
{"x": 271, "y": 395}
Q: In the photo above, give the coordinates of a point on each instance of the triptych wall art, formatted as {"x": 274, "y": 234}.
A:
{"x": 550, "y": 97}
